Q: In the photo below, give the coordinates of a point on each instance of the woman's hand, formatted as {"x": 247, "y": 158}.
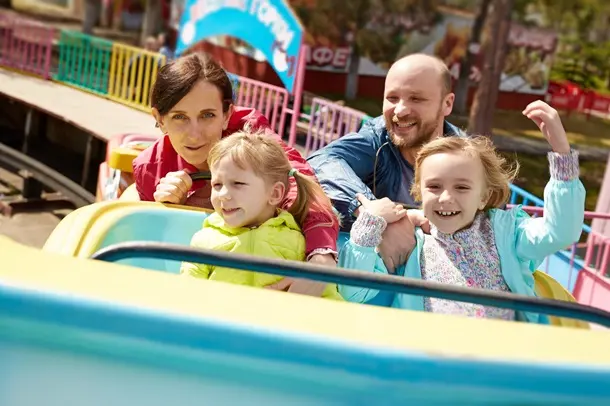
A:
{"x": 549, "y": 122}
{"x": 306, "y": 286}
{"x": 300, "y": 286}
{"x": 323, "y": 259}
{"x": 390, "y": 211}
{"x": 173, "y": 188}
{"x": 398, "y": 239}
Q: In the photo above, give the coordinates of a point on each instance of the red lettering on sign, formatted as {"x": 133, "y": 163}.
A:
{"x": 322, "y": 56}
{"x": 325, "y": 56}
{"x": 341, "y": 57}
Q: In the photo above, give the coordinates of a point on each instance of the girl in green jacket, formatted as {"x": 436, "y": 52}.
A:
{"x": 462, "y": 182}
{"x": 250, "y": 178}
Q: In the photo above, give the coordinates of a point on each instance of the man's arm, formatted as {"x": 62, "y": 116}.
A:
{"x": 342, "y": 167}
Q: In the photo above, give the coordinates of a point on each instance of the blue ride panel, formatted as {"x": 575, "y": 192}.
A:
{"x": 175, "y": 226}
{"x": 59, "y": 350}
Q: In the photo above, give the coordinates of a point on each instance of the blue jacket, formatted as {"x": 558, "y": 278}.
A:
{"x": 523, "y": 243}
{"x": 346, "y": 166}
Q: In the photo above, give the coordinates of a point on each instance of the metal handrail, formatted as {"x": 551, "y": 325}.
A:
{"x": 398, "y": 284}
{"x": 16, "y": 160}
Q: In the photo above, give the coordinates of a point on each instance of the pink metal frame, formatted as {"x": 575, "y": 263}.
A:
{"x": 603, "y": 204}
{"x": 270, "y": 100}
{"x": 298, "y": 94}
{"x": 26, "y": 45}
{"x": 592, "y": 286}
{"x": 329, "y": 121}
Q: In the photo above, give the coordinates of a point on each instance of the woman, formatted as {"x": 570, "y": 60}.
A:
{"x": 192, "y": 102}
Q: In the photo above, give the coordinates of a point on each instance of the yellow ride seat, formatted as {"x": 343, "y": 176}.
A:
{"x": 549, "y": 288}
{"x": 122, "y": 157}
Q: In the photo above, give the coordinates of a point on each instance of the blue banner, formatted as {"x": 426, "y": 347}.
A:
{"x": 268, "y": 25}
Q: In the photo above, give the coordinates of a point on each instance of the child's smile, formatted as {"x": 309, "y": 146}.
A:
{"x": 453, "y": 190}
{"x": 447, "y": 221}
{"x": 447, "y": 213}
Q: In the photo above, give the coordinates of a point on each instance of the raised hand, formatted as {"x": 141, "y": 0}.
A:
{"x": 549, "y": 122}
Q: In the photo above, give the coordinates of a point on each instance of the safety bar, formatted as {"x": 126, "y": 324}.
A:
{"x": 398, "y": 284}
{"x": 45, "y": 175}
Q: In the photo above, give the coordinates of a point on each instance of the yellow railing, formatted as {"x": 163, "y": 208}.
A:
{"x": 132, "y": 73}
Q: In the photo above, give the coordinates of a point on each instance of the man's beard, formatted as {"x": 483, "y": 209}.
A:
{"x": 425, "y": 131}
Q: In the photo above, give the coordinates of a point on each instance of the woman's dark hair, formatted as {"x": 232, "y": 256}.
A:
{"x": 178, "y": 77}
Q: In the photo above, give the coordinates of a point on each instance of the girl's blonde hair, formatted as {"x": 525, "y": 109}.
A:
{"x": 266, "y": 158}
{"x": 498, "y": 172}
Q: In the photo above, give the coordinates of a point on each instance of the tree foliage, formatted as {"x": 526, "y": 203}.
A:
{"x": 583, "y": 54}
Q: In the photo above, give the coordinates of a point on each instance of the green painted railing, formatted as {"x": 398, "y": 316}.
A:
{"x": 84, "y": 61}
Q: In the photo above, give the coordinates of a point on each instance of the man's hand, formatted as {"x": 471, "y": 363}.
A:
{"x": 419, "y": 220}
{"x": 398, "y": 239}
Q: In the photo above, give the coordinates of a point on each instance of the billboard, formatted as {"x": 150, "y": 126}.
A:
{"x": 267, "y": 25}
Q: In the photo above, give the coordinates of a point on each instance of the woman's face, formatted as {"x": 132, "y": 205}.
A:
{"x": 195, "y": 123}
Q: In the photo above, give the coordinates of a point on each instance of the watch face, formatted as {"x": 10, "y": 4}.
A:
{"x": 201, "y": 175}
{"x": 410, "y": 206}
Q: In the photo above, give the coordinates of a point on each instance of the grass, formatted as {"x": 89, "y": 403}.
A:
{"x": 594, "y": 132}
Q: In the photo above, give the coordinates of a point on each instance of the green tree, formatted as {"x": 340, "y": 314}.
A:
{"x": 583, "y": 55}
{"x": 377, "y": 27}
{"x": 585, "y": 63}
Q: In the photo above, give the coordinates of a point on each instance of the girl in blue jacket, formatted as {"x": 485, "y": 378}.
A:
{"x": 461, "y": 183}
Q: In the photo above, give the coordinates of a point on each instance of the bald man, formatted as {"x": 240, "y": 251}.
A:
{"x": 378, "y": 160}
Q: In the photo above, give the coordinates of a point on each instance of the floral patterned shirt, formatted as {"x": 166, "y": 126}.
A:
{"x": 468, "y": 257}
